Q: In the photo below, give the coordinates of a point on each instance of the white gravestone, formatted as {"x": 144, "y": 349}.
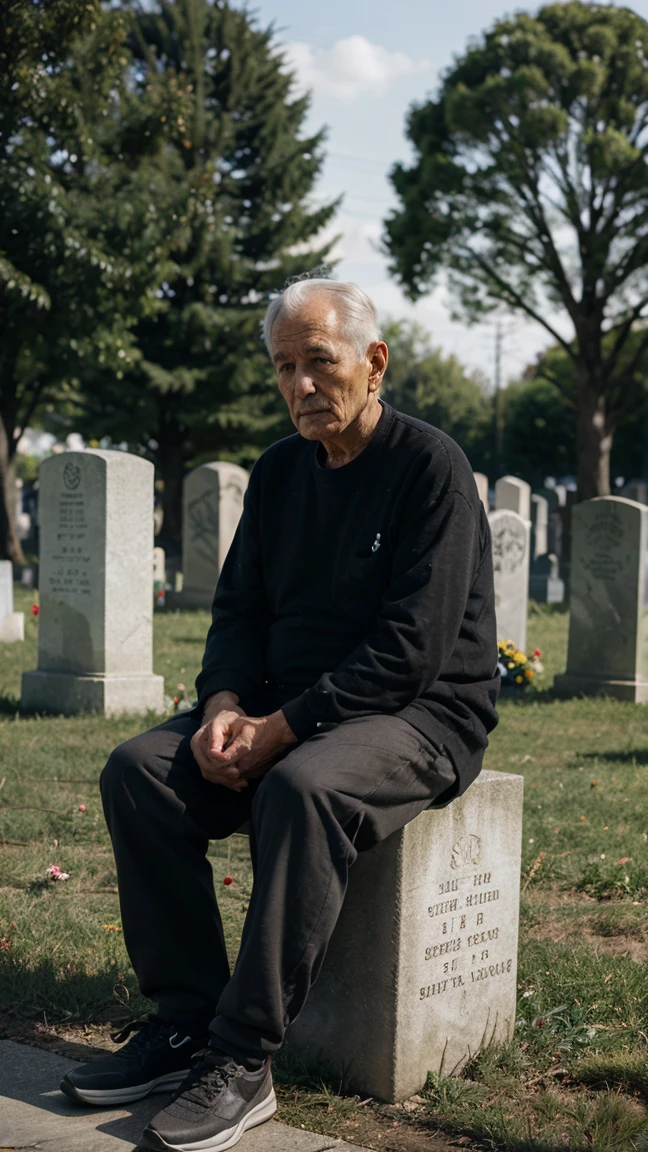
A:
{"x": 482, "y": 487}
{"x": 608, "y": 622}
{"x": 513, "y": 495}
{"x": 95, "y": 650}
{"x": 511, "y": 547}
{"x": 211, "y": 509}
{"x": 159, "y": 566}
{"x": 12, "y": 624}
{"x": 421, "y": 970}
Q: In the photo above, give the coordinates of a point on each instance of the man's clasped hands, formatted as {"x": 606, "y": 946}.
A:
{"x": 231, "y": 748}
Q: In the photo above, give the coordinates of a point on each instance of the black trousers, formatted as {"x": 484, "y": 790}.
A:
{"x": 333, "y": 796}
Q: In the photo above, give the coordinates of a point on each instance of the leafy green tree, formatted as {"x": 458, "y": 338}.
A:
{"x": 239, "y": 176}
{"x": 530, "y": 186}
{"x": 540, "y": 428}
{"x": 68, "y": 292}
{"x": 422, "y": 382}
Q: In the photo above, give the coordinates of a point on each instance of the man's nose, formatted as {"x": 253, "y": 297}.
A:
{"x": 304, "y": 385}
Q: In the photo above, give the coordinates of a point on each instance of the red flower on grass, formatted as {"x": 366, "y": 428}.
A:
{"x": 35, "y": 609}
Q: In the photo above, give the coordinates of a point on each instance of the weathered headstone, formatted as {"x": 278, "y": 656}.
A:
{"x": 511, "y": 547}
{"x": 212, "y": 506}
{"x": 514, "y": 495}
{"x": 539, "y": 526}
{"x": 12, "y": 624}
{"x": 608, "y": 624}
{"x": 96, "y": 611}
{"x": 420, "y": 974}
{"x": 482, "y": 487}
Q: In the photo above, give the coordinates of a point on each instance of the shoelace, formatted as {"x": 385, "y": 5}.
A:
{"x": 146, "y": 1032}
{"x": 207, "y": 1078}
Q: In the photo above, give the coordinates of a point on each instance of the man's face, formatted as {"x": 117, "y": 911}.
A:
{"x": 323, "y": 381}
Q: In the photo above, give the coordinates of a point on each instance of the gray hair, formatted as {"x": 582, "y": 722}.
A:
{"x": 357, "y": 313}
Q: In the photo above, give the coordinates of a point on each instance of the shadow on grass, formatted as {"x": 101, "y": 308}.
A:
{"x": 637, "y": 756}
{"x": 9, "y": 705}
{"x": 43, "y": 991}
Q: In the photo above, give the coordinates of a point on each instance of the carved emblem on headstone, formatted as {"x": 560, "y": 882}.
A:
{"x": 71, "y": 476}
{"x": 509, "y": 544}
{"x": 465, "y": 851}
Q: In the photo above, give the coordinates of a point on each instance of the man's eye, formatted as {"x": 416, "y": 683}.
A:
{"x": 322, "y": 360}
{"x": 286, "y": 367}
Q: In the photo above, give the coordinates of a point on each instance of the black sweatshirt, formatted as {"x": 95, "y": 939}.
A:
{"x": 362, "y": 589}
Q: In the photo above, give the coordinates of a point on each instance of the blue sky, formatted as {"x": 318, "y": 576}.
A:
{"x": 366, "y": 61}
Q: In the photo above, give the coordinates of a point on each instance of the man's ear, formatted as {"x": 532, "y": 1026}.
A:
{"x": 378, "y": 356}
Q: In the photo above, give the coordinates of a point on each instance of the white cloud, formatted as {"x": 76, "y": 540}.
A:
{"x": 350, "y": 68}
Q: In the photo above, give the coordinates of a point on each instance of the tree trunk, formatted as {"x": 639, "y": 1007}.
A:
{"x": 10, "y": 547}
{"x": 595, "y": 436}
{"x": 170, "y": 456}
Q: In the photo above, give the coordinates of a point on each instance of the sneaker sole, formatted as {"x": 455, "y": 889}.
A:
{"x": 102, "y": 1096}
{"x": 261, "y": 1112}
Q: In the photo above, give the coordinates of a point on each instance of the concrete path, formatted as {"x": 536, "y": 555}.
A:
{"x": 35, "y": 1115}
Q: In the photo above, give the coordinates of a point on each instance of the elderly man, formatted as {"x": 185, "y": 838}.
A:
{"x": 349, "y": 682}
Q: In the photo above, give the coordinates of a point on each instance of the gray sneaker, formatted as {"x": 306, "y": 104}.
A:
{"x": 218, "y": 1102}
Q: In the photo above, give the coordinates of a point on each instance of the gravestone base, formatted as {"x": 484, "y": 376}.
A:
{"x": 420, "y": 973}
{"x": 12, "y": 628}
{"x": 108, "y": 695}
{"x": 574, "y": 684}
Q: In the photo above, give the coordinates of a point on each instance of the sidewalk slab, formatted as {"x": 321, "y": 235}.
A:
{"x": 35, "y": 1115}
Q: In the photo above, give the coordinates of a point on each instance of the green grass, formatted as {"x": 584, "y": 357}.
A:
{"x": 575, "y": 1075}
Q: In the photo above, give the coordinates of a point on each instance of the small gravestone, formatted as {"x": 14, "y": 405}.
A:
{"x": 12, "y": 624}
{"x": 95, "y": 644}
{"x": 212, "y": 506}
{"x": 159, "y": 567}
{"x": 554, "y": 522}
{"x": 420, "y": 974}
{"x": 608, "y": 624}
{"x": 159, "y": 577}
{"x": 539, "y": 526}
{"x": 511, "y": 546}
{"x": 482, "y": 487}
{"x": 565, "y": 512}
{"x": 545, "y": 584}
{"x": 636, "y": 490}
{"x": 513, "y": 495}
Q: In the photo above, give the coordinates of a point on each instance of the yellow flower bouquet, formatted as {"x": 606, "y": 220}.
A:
{"x": 518, "y": 671}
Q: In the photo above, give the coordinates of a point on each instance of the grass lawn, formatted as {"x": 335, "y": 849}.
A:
{"x": 576, "y": 1075}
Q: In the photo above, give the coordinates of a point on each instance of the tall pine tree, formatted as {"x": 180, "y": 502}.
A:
{"x": 239, "y": 176}
{"x": 72, "y": 283}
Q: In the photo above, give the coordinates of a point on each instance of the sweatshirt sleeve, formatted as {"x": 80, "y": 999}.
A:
{"x": 435, "y": 558}
{"x": 236, "y": 642}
